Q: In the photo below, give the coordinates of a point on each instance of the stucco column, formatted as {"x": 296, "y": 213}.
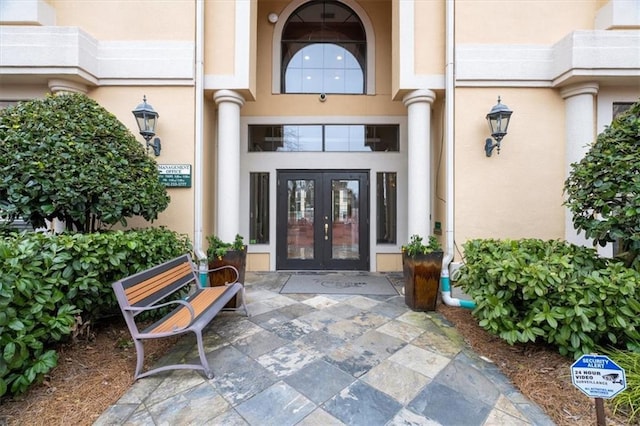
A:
{"x": 228, "y": 164}
{"x": 580, "y": 132}
{"x": 418, "y": 105}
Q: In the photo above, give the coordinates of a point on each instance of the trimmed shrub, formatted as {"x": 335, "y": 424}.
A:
{"x": 550, "y": 291}
{"x": 50, "y": 282}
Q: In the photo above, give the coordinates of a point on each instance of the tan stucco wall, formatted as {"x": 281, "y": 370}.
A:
{"x": 301, "y": 105}
{"x": 129, "y": 20}
{"x": 388, "y": 262}
{"x": 219, "y": 40}
{"x": 500, "y": 21}
{"x": 430, "y": 37}
{"x": 519, "y": 192}
{"x": 175, "y": 129}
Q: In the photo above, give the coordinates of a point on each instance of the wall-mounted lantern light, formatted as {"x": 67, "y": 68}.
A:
{"x": 498, "y": 119}
{"x": 147, "y": 117}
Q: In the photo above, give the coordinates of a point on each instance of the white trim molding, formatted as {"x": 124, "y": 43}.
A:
{"x": 72, "y": 54}
{"x": 603, "y": 56}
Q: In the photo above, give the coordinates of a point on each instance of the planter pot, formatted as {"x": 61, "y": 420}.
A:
{"x": 422, "y": 280}
{"x": 236, "y": 258}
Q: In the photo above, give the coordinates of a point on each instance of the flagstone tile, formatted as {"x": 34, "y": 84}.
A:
{"x": 380, "y": 344}
{"x": 279, "y": 405}
{"x": 425, "y": 362}
{"x": 439, "y": 343}
{"x": 401, "y": 383}
{"x": 320, "y": 417}
{"x": 297, "y": 310}
{"x": 319, "y": 342}
{"x": 259, "y": 343}
{"x": 343, "y": 310}
{"x": 320, "y": 302}
{"x": 319, "y": 381}
{"x": 368, "y": 320}
{"x": 469, "y": 381}
{"x": 292, "y": 330}
{"x": 446, "y": 406}
{"x": 286, "y": 360}
{"x": 345, "y": 329}
{"x": 389, "y": 310}
{"x": 362, "y": 302}
{"x": 243, "y": 382}
{"x": 233, "y": 331}
{"x": 401, "y": 330}
{"x": 229, "y": 418}
{"x": 175, "y": 382}
{"x": 197, "y": 405}
{"x": 500, "y": 418}
{"x": 116, "y": 414}
{"x": 409, "y": 418}
{"x": 352, "y": 359}
{"x": 318, "y": 319}
{"x": 361, "y": 404}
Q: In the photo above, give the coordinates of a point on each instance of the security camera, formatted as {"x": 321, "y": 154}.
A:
{"x": 323, "y": 97}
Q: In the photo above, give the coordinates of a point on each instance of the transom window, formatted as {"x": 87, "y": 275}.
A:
{"x": 323, "y": 50}
{"x": 324, "y": 138}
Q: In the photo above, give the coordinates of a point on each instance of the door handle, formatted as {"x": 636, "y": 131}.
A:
{"x": 326, "y": 231}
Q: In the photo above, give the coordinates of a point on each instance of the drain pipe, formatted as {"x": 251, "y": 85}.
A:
{"x": 445, "y": 284}
{"x": 199, "y": 145}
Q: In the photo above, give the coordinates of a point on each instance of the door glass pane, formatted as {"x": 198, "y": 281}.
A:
{"x": 344, "y": 219}
{"x": 259, "y": 208}
{"x": 386, "y": 204}
{"x": 301, "y": 211}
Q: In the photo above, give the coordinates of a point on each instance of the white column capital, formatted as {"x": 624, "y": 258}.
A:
{"x": 590, "y": 88}
{"x": 225, "y": 95}
{"x": 420, "y": 95}
{"x": 60, "y": 86}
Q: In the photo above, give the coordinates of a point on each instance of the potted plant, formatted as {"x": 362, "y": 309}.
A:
{"x": 221, "y": 253}
{"x": 421, "y": 265}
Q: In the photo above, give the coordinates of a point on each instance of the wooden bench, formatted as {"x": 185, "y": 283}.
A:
{"x": 142, "y": 291}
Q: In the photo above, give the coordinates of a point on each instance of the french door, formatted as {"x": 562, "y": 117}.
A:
{"x": 322, "y": 220}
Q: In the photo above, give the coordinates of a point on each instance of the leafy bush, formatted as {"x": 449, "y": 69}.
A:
{"x": 68, "y": 158}
{"x": 565, "y": 295}
{"x": 603, "y": 189}
{"x": 51, "y": 281}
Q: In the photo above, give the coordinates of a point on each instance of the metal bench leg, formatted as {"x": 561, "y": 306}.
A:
{"x": 244, "y": 303}
{"x": 203, "y": 356}
{"x": 140, "y": 357}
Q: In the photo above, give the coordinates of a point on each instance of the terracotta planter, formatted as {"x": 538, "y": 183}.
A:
{"x": 236, "y": 258}
{"x": 422, "y": 280}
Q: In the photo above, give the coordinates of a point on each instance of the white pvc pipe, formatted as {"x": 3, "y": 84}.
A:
{"x": 445, "y": 285}
{"x": 198, "y": 173}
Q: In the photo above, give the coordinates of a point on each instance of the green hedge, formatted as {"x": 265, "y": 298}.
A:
{"x": 532, "y": 290}
{"x": 48, "y": 283}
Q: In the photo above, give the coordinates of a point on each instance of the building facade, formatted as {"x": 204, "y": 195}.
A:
{"x": 327, "y": 132}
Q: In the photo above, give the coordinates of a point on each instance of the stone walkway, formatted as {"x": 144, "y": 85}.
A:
{"x": 327, "y": 360}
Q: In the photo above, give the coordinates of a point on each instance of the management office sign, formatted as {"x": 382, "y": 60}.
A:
{"x": 175, "y": 175}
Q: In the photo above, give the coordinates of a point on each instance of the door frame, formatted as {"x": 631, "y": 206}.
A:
{"x": 322, "y": 204}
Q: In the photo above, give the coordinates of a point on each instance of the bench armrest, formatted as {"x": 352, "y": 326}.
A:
{"x": 162, "y": 305}
{"x": 235, "y": 270}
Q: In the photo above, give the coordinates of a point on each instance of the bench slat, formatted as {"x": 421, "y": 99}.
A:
{"x": 140, "y": 291}
{"x": 181, "y": 316}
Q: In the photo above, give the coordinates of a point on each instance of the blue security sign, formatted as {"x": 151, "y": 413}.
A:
{"x": 598, "y": 376}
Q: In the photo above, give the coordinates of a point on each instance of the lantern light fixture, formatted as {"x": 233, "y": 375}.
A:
{"x": 498, "y": 119}
{"x": 147, "y": 117}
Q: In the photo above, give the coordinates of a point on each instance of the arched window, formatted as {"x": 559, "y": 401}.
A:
{"x": 323, "y": 50}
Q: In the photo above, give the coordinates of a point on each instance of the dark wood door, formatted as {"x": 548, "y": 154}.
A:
{"x": 322, "y": 220}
